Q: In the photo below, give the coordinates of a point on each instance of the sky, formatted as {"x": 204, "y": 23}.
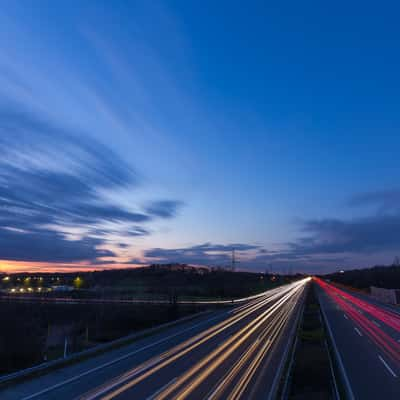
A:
{"x": 172, "y": 131}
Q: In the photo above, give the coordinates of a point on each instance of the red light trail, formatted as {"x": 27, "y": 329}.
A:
{"x": 352, "y": 305}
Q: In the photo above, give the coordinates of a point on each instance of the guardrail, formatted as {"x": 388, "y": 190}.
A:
{"x": 97, "y": 350}
{"x": 276, "y": 387}
{"x": 71, "y": 300}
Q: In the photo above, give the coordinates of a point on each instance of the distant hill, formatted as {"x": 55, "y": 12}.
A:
{"x": 171, "y": 281}
{"x": 381, "y": 276}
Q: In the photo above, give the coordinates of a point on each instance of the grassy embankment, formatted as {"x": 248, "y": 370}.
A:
{"x": 310, "y": 376}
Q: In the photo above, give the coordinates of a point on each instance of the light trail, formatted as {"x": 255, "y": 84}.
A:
{"x": 375, "y": 333}
{"x": 279, "y": 304}
{"x": 200, "y": 338}
{"x": 263, "y": 344}
{"x": 389, "y": 318}
{"x": 248, "y": 375}
{"x": 227, "y": 348}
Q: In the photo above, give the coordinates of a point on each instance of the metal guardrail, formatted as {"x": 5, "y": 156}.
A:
{"x": 71, "y": 300}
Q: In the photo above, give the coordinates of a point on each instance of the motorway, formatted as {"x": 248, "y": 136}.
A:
{"x": 367, "y": 338}
{"x": 231, "y": 354}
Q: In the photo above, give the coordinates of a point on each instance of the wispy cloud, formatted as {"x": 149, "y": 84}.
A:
{"x": 164, "y": 208}
{"x": 327, "y": 243}
{"x": 250, "y": 257}
{"x": 323, "y": 244}
{"x": 202, "y": 254}
{"x": 360, "y": 235}
{"x": 45, "y": 245}
{"x": 52, "y": 186}
{"x": 384, "y": 201}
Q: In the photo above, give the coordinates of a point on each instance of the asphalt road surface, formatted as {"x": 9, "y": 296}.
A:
{"x": 230, "y": 354}
{"x": 367, "y": 337}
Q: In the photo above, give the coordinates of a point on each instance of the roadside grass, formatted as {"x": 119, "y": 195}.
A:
{"x": 310, "y": 376}
{"x": 313, "y": 336}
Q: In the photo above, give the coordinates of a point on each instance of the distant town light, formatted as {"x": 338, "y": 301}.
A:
{"x": 6, "y": 278}
{"x": 78, "y": 282}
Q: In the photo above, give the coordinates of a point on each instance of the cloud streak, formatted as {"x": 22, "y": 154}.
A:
{"x": 52, "y": 185}
{"x": 383, "y": 200}
{"x": 48, "y": 246}
{"x": 323, "y": 244}
{"x": 164, "y": 208}
{"x": 362, "y": 235}
{"x": 202, "y": 254}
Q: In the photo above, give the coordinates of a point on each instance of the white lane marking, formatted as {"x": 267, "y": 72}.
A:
{"x": 347, "y": 385}
{"x": 387, "y": 366}
{"x": 107, "y": 364}
{"x": 155, "y": 394}
{"x": 345, "y": 316}
{"x": 374, "y": 322}
{"x": 358, "y": 331}
{"x": 108, "y": 387}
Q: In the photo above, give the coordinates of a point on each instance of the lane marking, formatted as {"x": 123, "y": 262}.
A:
{"x": 155, "y": 394}
{"x": 249, "y": 329}
{"x": 358, "y": 331}
{"x": 347, "y": 385}
{"x": 374, "y": 322}
{"x": 222, "y": 325}
{"x": 387, "y": 366}
{"x": 345, "y": 316}
{"x": 116, "y": 360}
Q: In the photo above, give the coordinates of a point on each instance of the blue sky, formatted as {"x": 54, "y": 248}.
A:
{"x": 137, "y": 132}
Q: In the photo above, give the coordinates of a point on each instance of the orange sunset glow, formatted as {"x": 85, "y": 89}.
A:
{"x": 12, "y": 267}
